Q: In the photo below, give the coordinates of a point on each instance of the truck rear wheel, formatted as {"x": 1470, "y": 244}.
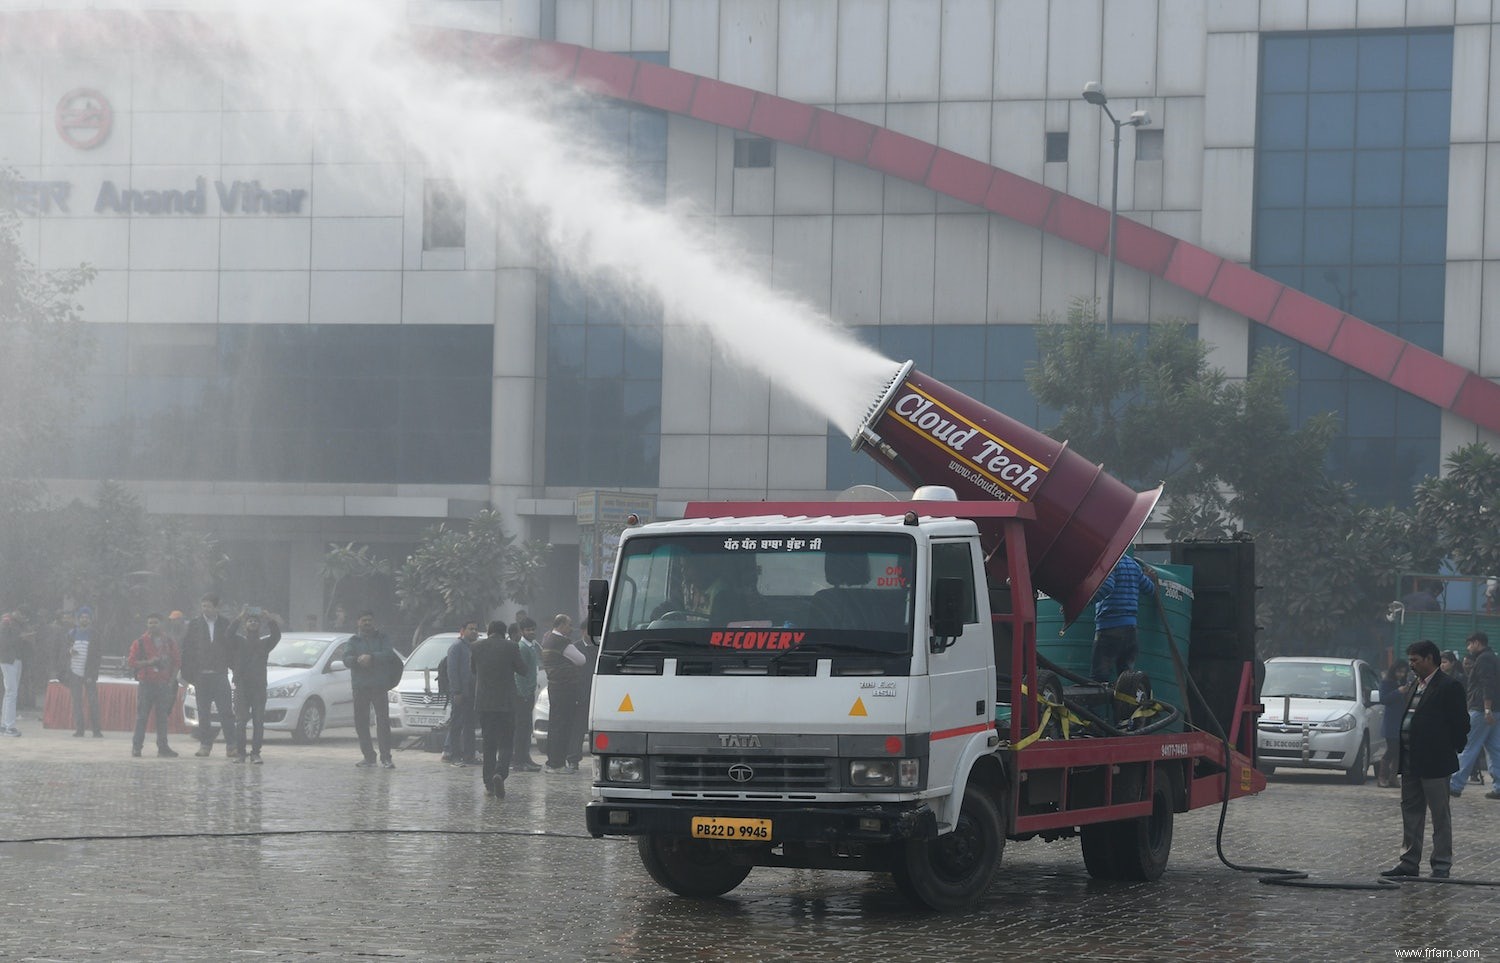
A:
{"x": 690, "y": 867}
{"x": 953, "y": 871}
{"x": 1132, "y": 849}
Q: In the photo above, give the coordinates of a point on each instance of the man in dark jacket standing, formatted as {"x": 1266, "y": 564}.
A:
{"x": 248, "y": 651}
{"x": 568, "y": 694}
{"x": 1434, "y": 727}
{"x": 367, "y": 657}
{"x": 84, "y": 653}
{"x": 205, "y": 666}
{"x": 497, "y": 661}
{"x": 1484, "y": 698}
{"x": 459, "y": 746}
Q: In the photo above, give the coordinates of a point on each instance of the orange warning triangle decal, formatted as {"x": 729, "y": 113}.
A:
{"x": 626, "y": 705}
{"x": 858, "y": 709}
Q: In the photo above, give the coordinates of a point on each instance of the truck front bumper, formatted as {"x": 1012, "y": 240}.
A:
{"x": 809, "y": 824}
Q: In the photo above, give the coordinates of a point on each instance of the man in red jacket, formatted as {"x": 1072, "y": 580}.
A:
{"x": 154, "y": 660}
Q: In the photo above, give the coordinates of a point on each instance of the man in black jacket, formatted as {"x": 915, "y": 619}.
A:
{"x": 1434, "y": 727}
{"x": 497, "y": 661}
{"x": 1483, "y": 687}
{"x": 205, "y": 666}
{"x": 249, "y": 646}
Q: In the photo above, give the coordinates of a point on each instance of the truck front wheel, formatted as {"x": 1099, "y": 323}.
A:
{"x": 690, "y": 867}
{"x": 953, "y": 871}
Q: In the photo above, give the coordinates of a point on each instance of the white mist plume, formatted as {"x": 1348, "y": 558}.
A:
{"x": 495, "y": 132}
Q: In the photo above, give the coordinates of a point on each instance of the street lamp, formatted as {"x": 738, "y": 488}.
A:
{"x": 1093, "y": 92}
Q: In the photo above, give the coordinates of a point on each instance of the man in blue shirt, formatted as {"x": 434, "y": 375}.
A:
{"x": 459, "y": 745}
{"x": 1115, "y": 606}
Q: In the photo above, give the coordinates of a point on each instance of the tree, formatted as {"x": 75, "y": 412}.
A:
{"x": 344, "y": 562}
{"x": 1460, "y": 511}
{"x": 466, "y": 573}
{"x": 1157, "y": 412}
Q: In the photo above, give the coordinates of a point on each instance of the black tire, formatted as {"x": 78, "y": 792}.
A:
{"x": 953, "y": 871}
{"x": 697, "y": 868}
{"x": 309, "y": 721}
{"x": 1132, "y": 849}
{"x": 1357, "y": 773}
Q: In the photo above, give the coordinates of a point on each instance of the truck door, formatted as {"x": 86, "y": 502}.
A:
{"x": 961, "y": 677}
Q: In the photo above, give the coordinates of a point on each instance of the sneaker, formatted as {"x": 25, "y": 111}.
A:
{"x": 135, "y": 752}
{"x": 1455, "y": 793}
{"x": 166, "y": 753}
{"x": 202, "y": 753}
{"x": 556, "y": 771}
{"x": 98, "y": 734}
{"x": 78, "y": 733}
{"x": 571, "y": 767}
{"x": 1492, "y": 794}
{"x": 12, "y": 731}
{"x": 387, "y": 764}
{"x": 499, "y": 791}
{"x": 526, "y": 767}
{"x": 1477, "y": 779}
{"x": 460, "y": 763}
{"x": 255, "y": 759}
{"x": 235, "y": 757}
{"x": 447, "y": 758}
{"x": 365, "y": 764}
{"x": 473, "y": 761}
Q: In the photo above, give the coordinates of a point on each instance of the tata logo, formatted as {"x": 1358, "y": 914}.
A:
{"x": 738, "y": 741}
{"x": 739, "y": 772}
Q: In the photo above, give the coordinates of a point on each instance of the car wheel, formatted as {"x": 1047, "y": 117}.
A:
{"x": 309, "y": 722}
{"x": 691, "y": 867}
{"x": 1356, "y": 774}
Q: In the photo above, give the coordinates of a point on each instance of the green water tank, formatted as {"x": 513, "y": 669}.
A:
{"x": 1071, "y": 646}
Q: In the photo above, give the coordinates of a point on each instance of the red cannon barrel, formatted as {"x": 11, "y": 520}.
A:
{"x": 926, "y": 433}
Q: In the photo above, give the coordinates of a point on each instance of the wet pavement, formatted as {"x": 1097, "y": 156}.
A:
{"x": 308, "y": 858}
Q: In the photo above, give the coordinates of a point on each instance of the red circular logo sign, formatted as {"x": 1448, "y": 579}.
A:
{"x": 84, "y": 118}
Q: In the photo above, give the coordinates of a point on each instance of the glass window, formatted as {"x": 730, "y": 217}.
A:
{"x": 1284, "y": 62}
{"x": 1429, "y": 62}
{"x": 1330, "y": 178}
{"x": 605, "y": 357}
{"x": 1278, "y": 237}
{"x": 1283, "y": 121}
{"x": 1055, "y": 147}
{"x": 1377, "y": 177}
{"x": 1422, "y": 293}
{"x": 907, "y": 341}
{"x": 1326, "y": 237}
{"x": 958, "y": 352}
{"x": 1424, "y": 235}
{"x": 443, "y": 215}
{"x": 1331, "y": 64}
{"x": 1427, "y": 118}
{"x": 1382, "y": 61}
{"x": 1330, "y": 120}
{"x": 1426, "y": 177}
{"x": 754, "y": 151}
{"x": 1280, "y": 176}
{"x": 1372, "y": 410}
{"x": 1375, "y": 294}
{"x": 1149, "y": 143}
{"x": 1381, "y": 120}
{"x": 1377, "y": 235}
{"x": 956, "y": 560}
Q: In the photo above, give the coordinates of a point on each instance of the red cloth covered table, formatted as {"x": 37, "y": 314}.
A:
{"x": 116, "y": 707}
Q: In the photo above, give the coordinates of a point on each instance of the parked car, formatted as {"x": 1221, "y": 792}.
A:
{"x": 416, "y": 705}
{"x": 1321, "y": 713}
{"x": 308, "y": 689}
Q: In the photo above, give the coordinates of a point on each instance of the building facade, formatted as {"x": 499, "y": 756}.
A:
{"x": 304, "y": 337}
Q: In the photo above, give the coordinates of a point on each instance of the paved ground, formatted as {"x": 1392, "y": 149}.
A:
{"x": 307, "y": 858}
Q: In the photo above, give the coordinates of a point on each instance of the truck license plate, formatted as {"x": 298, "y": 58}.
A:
{"x": 721, "y": 827}
{"x": 1283, "y": 743}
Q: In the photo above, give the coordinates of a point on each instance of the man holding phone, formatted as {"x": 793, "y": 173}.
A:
{"x": 249, "y": 646}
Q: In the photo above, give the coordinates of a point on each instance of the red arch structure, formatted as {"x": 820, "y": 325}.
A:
{"x": 1318, "y": 325}
{"x": 1305, "y": 319}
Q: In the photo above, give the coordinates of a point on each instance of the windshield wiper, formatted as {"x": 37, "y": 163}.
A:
{"x": 655, "y": 641}
{"x": 821, "y": 646}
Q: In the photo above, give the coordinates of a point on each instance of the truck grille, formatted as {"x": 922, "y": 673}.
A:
{"x": 747, "y": 774}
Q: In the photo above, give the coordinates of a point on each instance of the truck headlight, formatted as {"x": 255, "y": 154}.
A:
{"x": 625, "y": 769}
{"x": 1343, "y": 723}
{"x": 283, "y": 691}
{"x": 878, "y": 773}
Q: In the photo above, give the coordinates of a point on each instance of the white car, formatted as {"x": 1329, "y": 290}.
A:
{"x": 416, "y": 706}
{"x": 307, "y": 686}
{"x": 1321, "y": 714}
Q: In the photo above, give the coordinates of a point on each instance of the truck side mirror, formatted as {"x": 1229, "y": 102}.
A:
{"x": 947, "y": 613}
{"x": 598, "y": 599}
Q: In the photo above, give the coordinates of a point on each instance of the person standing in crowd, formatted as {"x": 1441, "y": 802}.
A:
{"x": 497, "y": 662}
{"x": 1453, "y": 668}
{"x": 523, "y": 633}
{"x": 367, "y": 656}
{"x": 1483, "y": 697}
{"x": 13, "y": 656}
{"x": 205, "y": 665}
{"x": 84, "y": 653}
{"x": 249, "y": 646}
{"x": 1116, "y": 603}
{"x": 1394, "y": 685}
{"x": 154, "y": 660}
{"x": 567, "y": 689}
{"x": 459, "y": 746}
{"x": 1434, "y": 727}
{"x": 1424, "y": 597}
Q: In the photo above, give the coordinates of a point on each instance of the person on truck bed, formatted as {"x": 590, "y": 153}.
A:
{"x": 1115, "y": 606}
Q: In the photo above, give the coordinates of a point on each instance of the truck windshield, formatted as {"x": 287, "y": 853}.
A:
{"x": 773, "y": 593}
